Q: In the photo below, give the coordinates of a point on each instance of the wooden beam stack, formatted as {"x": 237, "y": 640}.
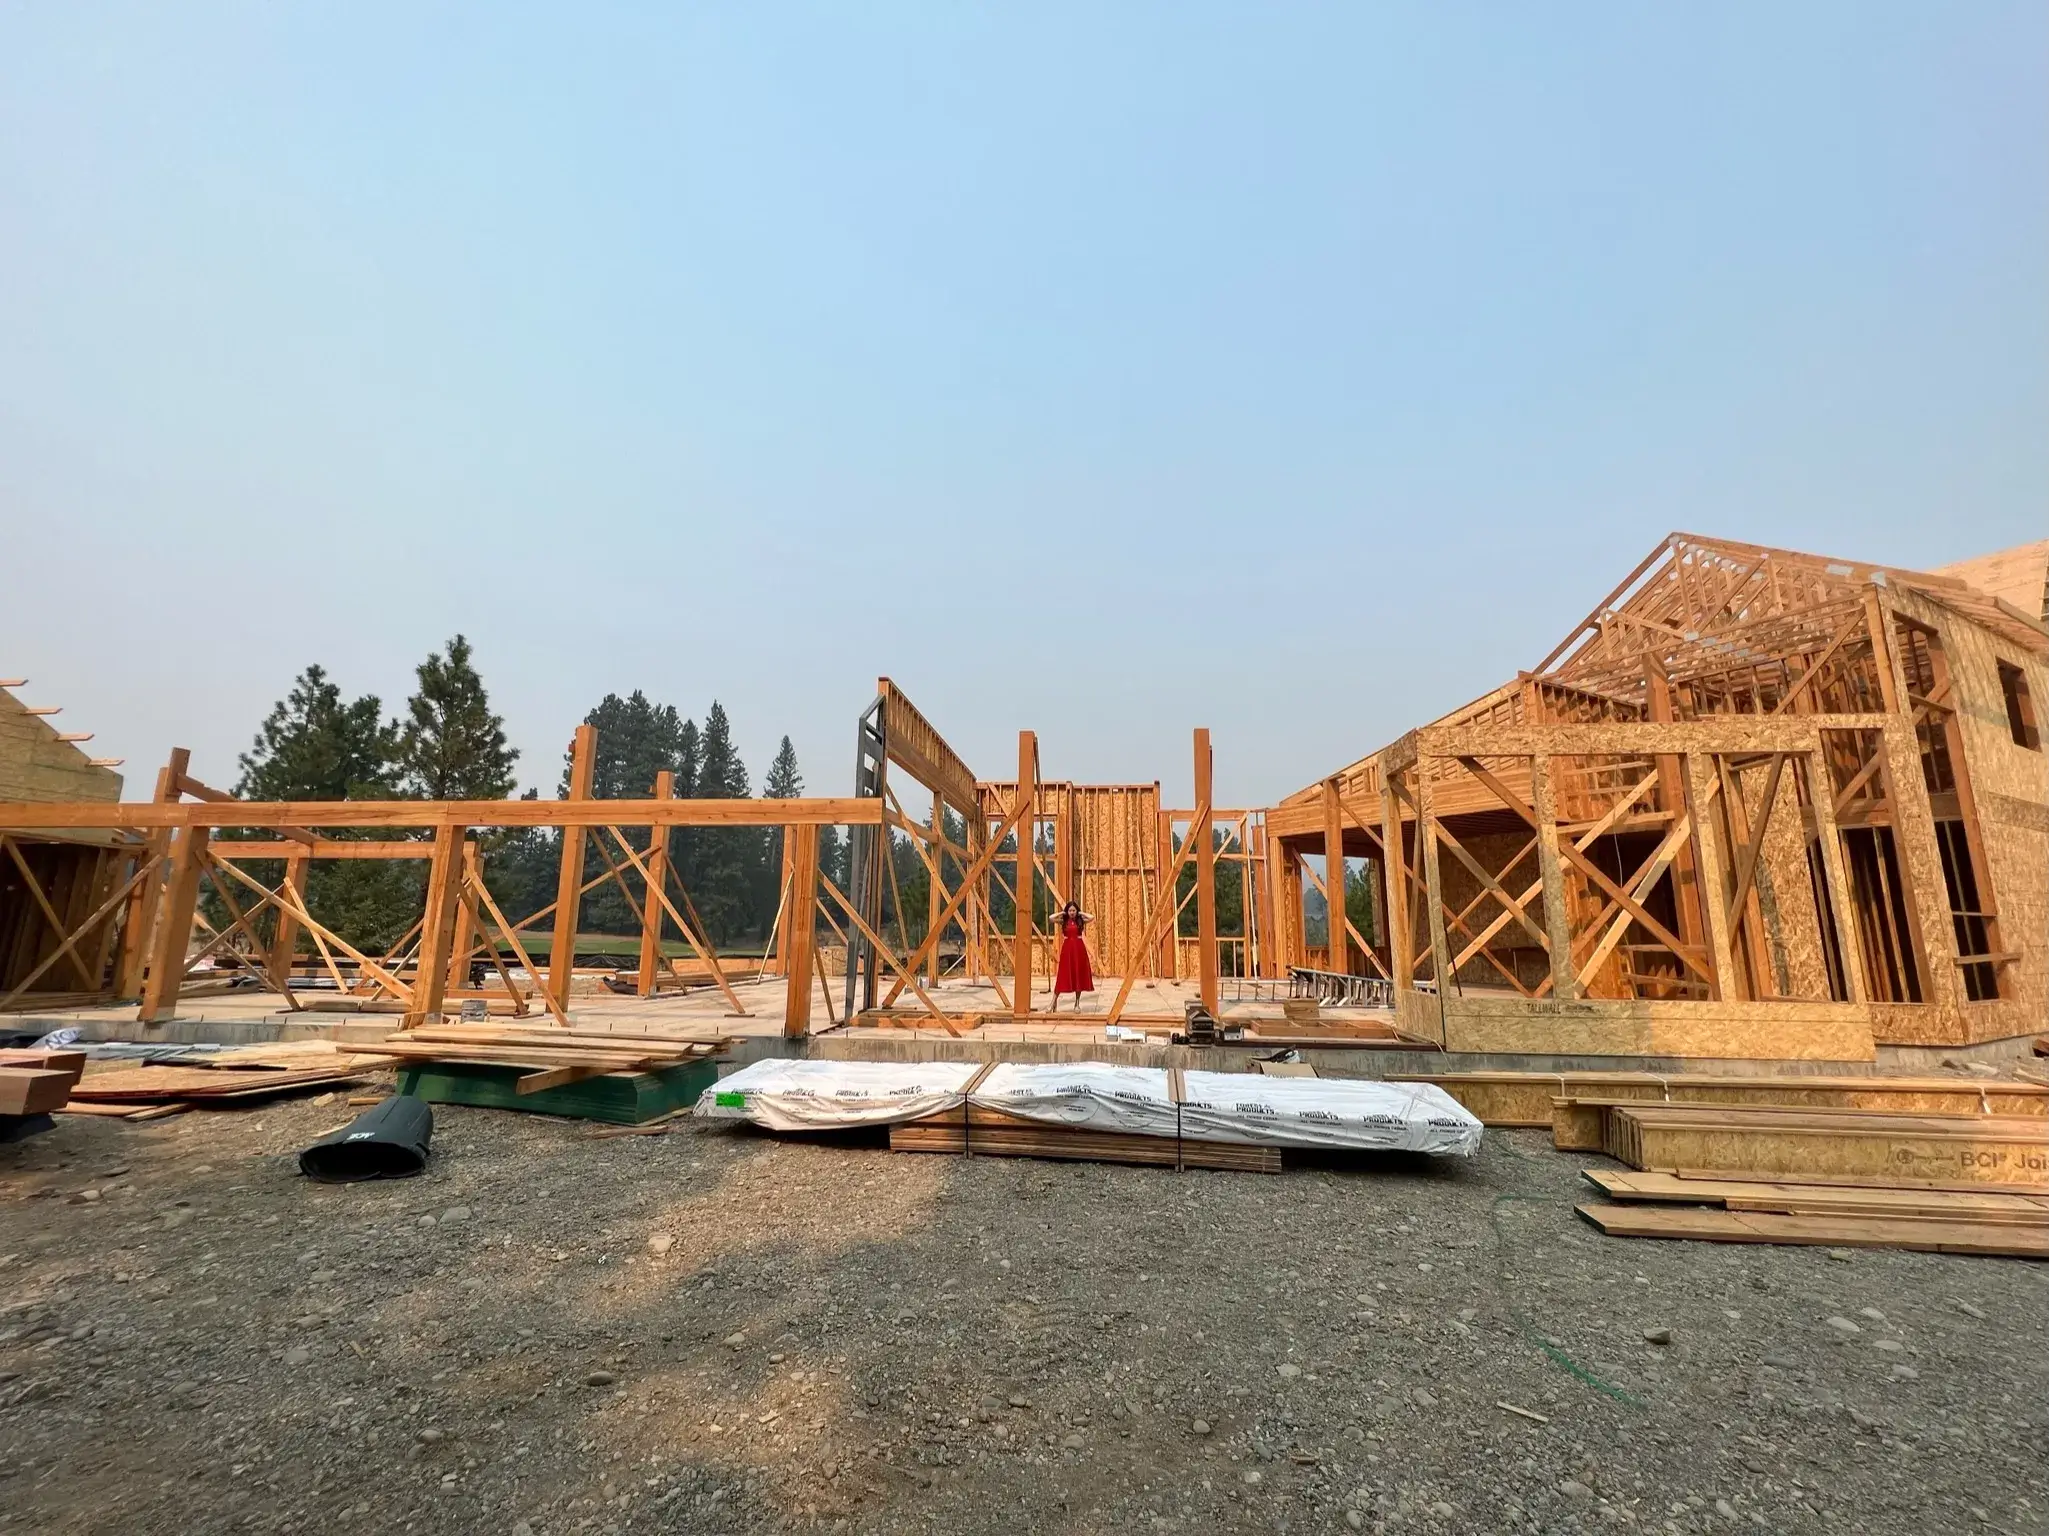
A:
{"x": 1736, "y": 1210}
{"x": 991, "y": 1133}
{"x": 556, "y": 1056}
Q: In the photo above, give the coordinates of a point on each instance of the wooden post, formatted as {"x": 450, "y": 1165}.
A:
{"x": 975, "y": 907}
{"x": 1265, "y": 906}
{"x": 583, "y": 761}
{"x": 437, "y": 927}
{"x": 1334, "y": 875}
{"x": 800, "y": 926}
{"x": 174, "y": 925}
{"x": 1027, "y": 836}
{"x": 657, "y": 873}
{"x": 935, "y": 897}
{"x": 139, "y": 922}
{"x": 467, "y": 933}
{"x": 1700, "y": 773}
{"x": 1557, "y": 920}
{"x": 1821, "y": 795}
{"x": 1400, "y": 904}
{"x": 284, "y": 943}
{"x": 1166, "y": 961}
{"x": 1288, "y": 907}
{"x": 1433, "y": 885}
{"x": 1671, "y": 795}
{"x": 1204, "y": 834}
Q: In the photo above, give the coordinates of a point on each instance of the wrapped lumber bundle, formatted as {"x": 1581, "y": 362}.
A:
{"x": 832, "y": 1095}
{"x": 1235, "y": 1107}
{"x": 1097, "y": 1111}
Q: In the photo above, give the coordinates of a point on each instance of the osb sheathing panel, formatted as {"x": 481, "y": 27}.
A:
{"x": 1112, "y": 833}
{"x": 1736, "y": 1031}
{"x": 1116, "y": 832}
{"x": 35, "y": 765}
{"x": 2011, "y": 786}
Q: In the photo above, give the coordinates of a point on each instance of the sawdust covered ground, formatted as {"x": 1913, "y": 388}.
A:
{"x": 713, "y": 1331}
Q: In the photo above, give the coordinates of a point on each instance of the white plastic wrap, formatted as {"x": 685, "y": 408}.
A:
{"x": 1236, "y": 1106}
{"x": 1092, "y": 1095}
{"x": 829, "y": 1095}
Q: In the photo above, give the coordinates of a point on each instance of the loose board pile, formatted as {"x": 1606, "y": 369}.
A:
{"x": 141, "y": 1086}
{"x": 1746, "y": 1211}
{"x": 585, "y": 1074}
{"x": 1096, "y": 1110}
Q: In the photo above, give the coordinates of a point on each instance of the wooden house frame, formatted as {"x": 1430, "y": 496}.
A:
{"x": 1757, "y": 804}
{"x": 145, "y": 932}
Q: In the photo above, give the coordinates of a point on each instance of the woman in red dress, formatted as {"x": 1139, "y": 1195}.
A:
{"x": 1074, "y": 974}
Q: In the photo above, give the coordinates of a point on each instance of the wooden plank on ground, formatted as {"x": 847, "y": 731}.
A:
{"x": 145, "y": 1085}
{"x": 1814, "y": 1199}
{"x": 1524, "y": 1098}
{"x": 1670, "y": 1221}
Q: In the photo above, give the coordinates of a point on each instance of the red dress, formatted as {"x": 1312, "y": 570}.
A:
{"x": 1074, "y": 974}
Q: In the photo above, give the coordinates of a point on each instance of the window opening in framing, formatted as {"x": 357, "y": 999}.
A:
{"x": 2020, "y": 707}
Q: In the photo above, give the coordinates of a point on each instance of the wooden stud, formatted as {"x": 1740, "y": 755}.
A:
{"x": 138, "y": 926}
{"x": 174, "y": 926}
{"x": 1206, "y": 878}
{"x": 799, "y": 942}
{"x": 1433, "y": 885}
{"x": 583, "y": 757}
{"x": 438, "y": 927}
{"x": 1551, "y": 877}
{"x": 1702, "y": 786}
{"x": 284, "y": 942}
{"x": 657, "y": 874}
{"x": 1836, "y": 875}
{"x": 1333, "y": 875}
{"x": 935, "y": 894}
{"x": 1027, "y": 834}
{"x": 1400, "y": 946}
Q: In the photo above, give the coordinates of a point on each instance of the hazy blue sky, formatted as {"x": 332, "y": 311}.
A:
{"x": 1299, "y": 371}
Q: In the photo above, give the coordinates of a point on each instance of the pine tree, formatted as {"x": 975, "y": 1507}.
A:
{"x": 726, "y": 860}
{"x": 637, "y": 739}
{"x": 784, "y": 782}
{"x": 314, "y": 745}
{"x": 453, "y": 747}
{"x": 689, "y": 759}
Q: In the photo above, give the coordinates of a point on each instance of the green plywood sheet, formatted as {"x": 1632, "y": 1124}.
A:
{"x": 623, "y": 1098}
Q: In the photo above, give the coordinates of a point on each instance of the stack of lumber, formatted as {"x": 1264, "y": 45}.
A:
{"x": 133, "y": 1093}
{"x": 586, "y": 1074}
{"x": 1739, "y": 1210}
{"x": 37, "y": 1082}
{"x": 554, "y": 1057}
{"x": 1890, "y": 1149}
{"x": 991, "y": 1133}
{"x": 1529, "y": 1098}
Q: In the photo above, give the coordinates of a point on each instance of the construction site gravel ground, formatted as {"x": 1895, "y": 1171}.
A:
{"x": 714, "y": 1331}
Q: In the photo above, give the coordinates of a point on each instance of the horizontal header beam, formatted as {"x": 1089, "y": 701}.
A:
{"x": 444, "y": 813}
{"x": 1720, "y": 733}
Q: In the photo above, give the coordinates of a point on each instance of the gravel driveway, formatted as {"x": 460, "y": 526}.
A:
{"x": 714, "y": 1331}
